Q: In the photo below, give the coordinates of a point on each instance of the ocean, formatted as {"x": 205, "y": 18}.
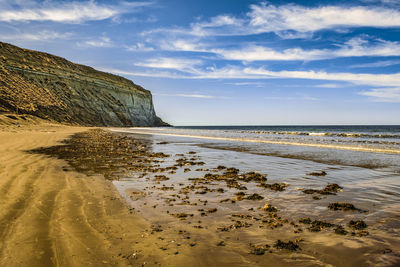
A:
{"x": 370, "y": 146}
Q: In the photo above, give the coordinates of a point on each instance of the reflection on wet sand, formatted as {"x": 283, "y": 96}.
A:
{"x": 228, "y": 207}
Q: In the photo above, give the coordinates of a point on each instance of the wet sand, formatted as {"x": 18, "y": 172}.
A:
{"x": 178, "y": 208}
{"x": 365, "y": 195}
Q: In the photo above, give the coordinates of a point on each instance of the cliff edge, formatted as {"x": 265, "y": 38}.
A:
{"x": 52, "y": 87}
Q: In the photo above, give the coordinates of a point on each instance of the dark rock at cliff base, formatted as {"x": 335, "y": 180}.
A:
{"x": 51, "y": 87}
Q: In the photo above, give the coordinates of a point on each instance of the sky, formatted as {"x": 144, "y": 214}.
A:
{"x": 231, "y": 62}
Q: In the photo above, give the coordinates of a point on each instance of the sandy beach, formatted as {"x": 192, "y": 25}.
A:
{"x": 76, "y": 196}
{"x": 53, "y": 217}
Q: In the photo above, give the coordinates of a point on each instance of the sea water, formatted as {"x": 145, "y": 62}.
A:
{"x": 376, "y": 147}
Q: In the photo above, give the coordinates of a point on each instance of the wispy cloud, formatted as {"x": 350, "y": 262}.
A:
{"x": 359, "y": 46}
{"x": 387, "y": 83}
{"x": 257, "y": 84}
{"x": 180, "y": 64}
{"x": 65, "y": 12}
{"x": 391, "y": 95}
{"x": 195, "y": 95}
{"x": 190, "y": 95}
{"x": 384, "y": 63}
{"x": 355, "y": 47}
{"x": 329, "y": 85}
{"x": 238, "y": 72}
{"x": 293, "y": 98}
{"x": 100, "y": 42}
{"x": 184, "y": 45}
{"x": 278, "y": 19}
{"x": 290, "y": 21}
{"x": 38, "y": 36}
{"x": 139, "y": 47}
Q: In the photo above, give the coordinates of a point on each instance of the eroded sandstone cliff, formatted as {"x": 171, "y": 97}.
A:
{"x": 51, "y": 87}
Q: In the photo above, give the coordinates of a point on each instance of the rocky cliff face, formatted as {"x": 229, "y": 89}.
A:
{"x": 51, "y": 87}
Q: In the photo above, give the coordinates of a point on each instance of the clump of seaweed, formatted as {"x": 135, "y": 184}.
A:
{"x": 212, "y": 210}
{"x": 340, "y": 230}
{"x": 315, "y": 225}
{"x": 290, "y": 245}
{"x": 274, "y": 186}
{"x": 255, "y": 196}
{"x": 159, "y": 178}
{"x": 343, "y": 206}
{"x": 231, "y": 171}
{"x": 357, "y": 225}
{"x": 321, "y": 173}
{"x": 182, "y": 215}
{"x": 253, "y": 176}
{"x": 330, "y": 189}
{"x": 258, "y": 249}
{"x": 269, "y": 208}
{"x": 236, "y": 225}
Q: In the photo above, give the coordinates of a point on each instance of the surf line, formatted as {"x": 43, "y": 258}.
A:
{"x": 362, "y": 149}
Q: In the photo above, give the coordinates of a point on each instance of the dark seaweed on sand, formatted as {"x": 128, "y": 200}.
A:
{"x": 358, "y": 225}
{"x": 344, "y": 206}
{"x": 330, "y": 189}
{"x": 316, "y": 225}
{"x": 290, "y": 245}
{"x": 101, "y": 152}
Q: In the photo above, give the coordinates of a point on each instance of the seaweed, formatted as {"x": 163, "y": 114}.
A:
{"x": 357, "y": 225}
{"x": 290, "y": 245}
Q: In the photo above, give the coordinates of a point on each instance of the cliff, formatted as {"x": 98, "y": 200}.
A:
{"x": 52, "y": 87}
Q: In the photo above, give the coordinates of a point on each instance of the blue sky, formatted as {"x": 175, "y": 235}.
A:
{"x": 225, "y": 62}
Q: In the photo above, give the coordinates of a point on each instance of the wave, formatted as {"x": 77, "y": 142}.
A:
{"x": 338, "y": 134}
{"x": 250, "y": 140}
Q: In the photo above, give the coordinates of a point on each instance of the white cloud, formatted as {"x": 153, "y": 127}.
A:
{"x": 291, "y": 21}
{"x": 139, "y": 47}
{"x": 384, "y": 63}
{"x": 292, "y": 98}
{"x": 190, "y": 95}
{"x": 388, "y": 90}
{"x": 39, "y": 36}
{"x": 391, "y": 94}
{"x": 195, "y": 96}
{"x": 359, "y": 46}
{"x": 270, "y": 18}
{"x": 101, "y": 42}
{"x": 183, "y": 45}
{"x": 65, "y": 12}
{"x": 257, "y": 84}
{"x": 329, "y": 85}
{"x": 355, "y": 47}
{"x": 223, "y": 25}
{"x": 180, "y": 64}
{"x": 219, "y": 25}
{"x": 238, "y": 72}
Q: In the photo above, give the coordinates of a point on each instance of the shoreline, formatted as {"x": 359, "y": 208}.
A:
{"x": 354, "y": 148}
{"x": 359, "y": 157}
